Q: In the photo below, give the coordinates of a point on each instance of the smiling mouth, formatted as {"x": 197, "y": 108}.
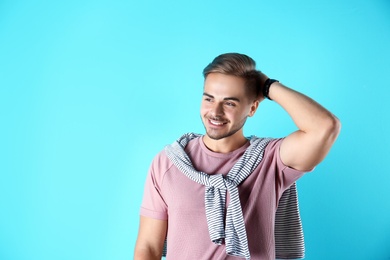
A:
{"x": 217, "y": 123}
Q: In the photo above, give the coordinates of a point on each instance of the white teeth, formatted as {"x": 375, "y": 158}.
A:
{"x": 216, "y": 122}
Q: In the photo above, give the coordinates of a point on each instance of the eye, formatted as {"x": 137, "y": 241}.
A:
{"x": 207, "y": 99}
{"x": 230, "y": 104}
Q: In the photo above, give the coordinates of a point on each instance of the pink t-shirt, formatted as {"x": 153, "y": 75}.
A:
{"x": 170, "y": 195}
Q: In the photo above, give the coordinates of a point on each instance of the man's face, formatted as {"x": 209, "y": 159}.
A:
{"x": 225, "y": 106}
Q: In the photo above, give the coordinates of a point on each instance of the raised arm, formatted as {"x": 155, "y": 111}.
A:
{"x": 318, "y": 128}
{"x": 151, "y": 237}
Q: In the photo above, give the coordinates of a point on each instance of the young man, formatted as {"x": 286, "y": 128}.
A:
{"x": 216, "y": 196}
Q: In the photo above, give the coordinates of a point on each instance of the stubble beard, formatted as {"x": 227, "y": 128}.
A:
{"x": 219, "y": 136}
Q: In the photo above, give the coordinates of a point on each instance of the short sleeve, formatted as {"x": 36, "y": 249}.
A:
{"x": 153, "y": 203}
{"x": 285, "y": 175}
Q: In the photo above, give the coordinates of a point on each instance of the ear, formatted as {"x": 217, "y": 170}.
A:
{"x": 253, "y": 108}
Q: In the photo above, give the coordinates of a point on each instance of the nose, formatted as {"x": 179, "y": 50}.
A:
{"x": 217, "y": 109}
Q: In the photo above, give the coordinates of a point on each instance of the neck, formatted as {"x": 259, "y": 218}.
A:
{"x": 224, "y": 145}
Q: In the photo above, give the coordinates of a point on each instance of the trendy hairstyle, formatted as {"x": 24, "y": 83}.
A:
{"x": 239, "y": 65}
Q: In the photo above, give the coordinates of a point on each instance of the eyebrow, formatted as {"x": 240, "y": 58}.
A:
{"x": 226, "y": 98}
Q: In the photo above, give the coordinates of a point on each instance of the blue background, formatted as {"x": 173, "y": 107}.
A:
{"x": 90, "y": 91}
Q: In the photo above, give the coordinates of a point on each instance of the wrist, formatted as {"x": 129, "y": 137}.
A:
{"x": 266, "y": 86}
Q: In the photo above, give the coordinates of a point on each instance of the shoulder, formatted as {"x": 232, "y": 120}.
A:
{"x": 270, "y": 149}
{"x": 272, "y": 153}
{"x": 160, "y": 166}
{"x": 161, "y": 161}
{"x": 273, "y": 146}
{"x": 193, "y": 145}
{"x": 267, "y": 145}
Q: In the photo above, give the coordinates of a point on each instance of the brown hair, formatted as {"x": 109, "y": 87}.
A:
{"x": 239, "y": 65}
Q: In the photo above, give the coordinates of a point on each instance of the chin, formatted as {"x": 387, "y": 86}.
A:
{"x": 218, "y": 136}
{"x": 214, "y": 137}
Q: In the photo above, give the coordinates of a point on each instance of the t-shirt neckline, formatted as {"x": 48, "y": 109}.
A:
{"x": 222, "y": 155}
